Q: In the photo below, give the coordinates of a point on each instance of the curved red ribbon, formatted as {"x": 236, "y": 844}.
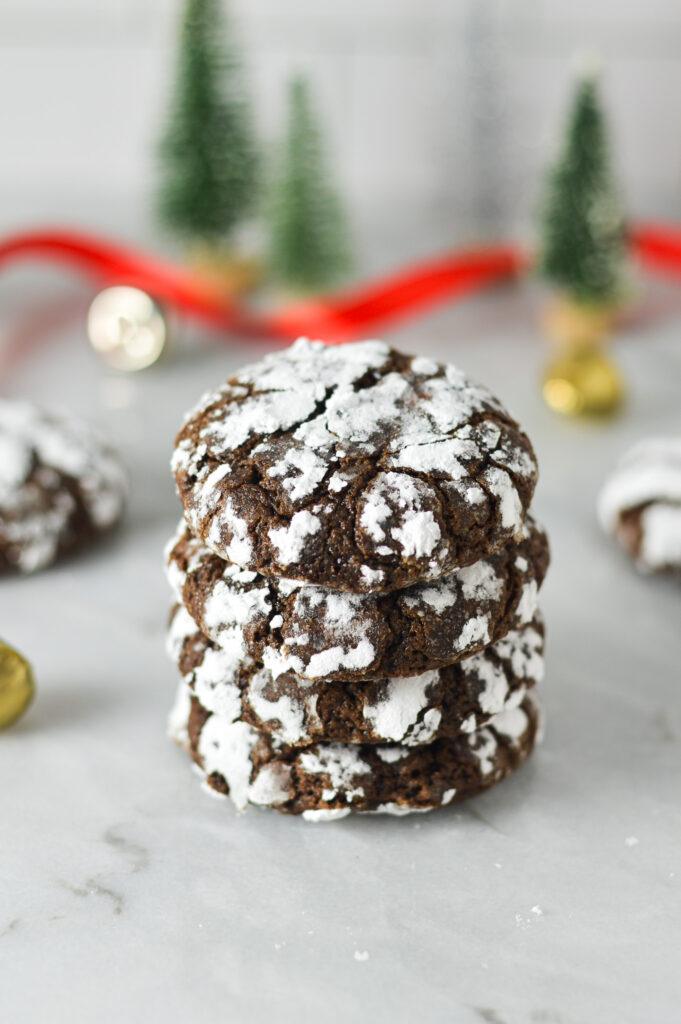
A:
{"x": 658, "y": 247}
{"x": 336, "y": 317}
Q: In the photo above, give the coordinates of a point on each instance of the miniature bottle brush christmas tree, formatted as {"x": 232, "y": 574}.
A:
{"x": 308, "y": 233}
{"x": 207, "y": 153}
{"x": 582, "y": 254}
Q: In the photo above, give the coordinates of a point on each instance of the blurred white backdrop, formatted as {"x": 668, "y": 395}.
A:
{"x": 440, "y": 113}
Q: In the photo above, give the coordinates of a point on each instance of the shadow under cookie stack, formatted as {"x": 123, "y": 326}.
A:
{"x": 356, "y": 579}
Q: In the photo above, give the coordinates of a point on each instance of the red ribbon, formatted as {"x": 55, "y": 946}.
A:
{"x": 658, "y": 247}
{"x": 336, "y": 317}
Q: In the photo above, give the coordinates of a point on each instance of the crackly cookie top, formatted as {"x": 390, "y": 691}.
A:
{"x": 354, "y": 467}
{"x": 319, "y": 633}
{"x": 640, "y": 503}
{"x": 59, "y": 484}
{"x": 412, "y": 710}
{"x": 324, "y": 781}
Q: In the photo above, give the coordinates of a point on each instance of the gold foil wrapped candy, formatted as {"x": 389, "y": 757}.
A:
{"x": 17, "y": 686}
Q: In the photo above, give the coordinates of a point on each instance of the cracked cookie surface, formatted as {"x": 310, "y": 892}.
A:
{"x": 353, "y": 467}
{"x": 319, "y": 633}
{"x": 413, "y": 710}
{"x": 325, "y": 781}
{"x": 59, "y": 486}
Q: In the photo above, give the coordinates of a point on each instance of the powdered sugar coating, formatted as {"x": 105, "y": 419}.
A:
{"x": 59, "y": 485}
{"x": 411, "y": 711}
{"x": 318, "y": 633}
{"x": 373, "y": 470}
{"x": 326, "y": 780}
{"x": 641, "y": 503}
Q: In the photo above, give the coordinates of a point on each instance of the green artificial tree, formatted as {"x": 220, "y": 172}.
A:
{"x": 582, "y": 246}
{"x": 308, "y": 233}
{"x": 207, "y": 153}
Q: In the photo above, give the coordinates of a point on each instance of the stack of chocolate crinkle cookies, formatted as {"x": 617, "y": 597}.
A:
{"x": 356, "y": 580}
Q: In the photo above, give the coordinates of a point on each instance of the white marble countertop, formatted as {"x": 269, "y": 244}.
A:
{"x": 127, "y": 894}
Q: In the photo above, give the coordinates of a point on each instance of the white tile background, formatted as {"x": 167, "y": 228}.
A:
{"x": 440, "y": 113}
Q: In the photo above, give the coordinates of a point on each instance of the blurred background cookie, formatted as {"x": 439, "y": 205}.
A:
{"x": 640, "y": 504}
{"x": 60, "y": 486}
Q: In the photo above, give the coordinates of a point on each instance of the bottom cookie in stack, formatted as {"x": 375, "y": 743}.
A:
{"x": 325, "y": 781}
{"x": 323, "y": 749}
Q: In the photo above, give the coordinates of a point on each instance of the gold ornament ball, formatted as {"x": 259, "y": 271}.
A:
{"x": 17, "y": 686}
{"x": 127, "y": 328}
{"x": 585, "y": 382}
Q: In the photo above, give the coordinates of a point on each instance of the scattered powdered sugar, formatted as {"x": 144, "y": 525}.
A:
{"x": 225, "y": 747}
{"x": 15, "y": 464}
{"x": 484, "y": 746}
{"x": 448, "y": 456}
{"x": 214, "y": 677}
{"x": 240, "y": 548}
{"x": 310, "y": 471}
{"x": 424, "y": 367}
{"x": 480, "y": 582}
{"x": 289, "y": 713}
{"x": 326, "y": 814}
{"x": 419, "y": 534}
{"x": 425, "y": 730}
{"x": 527, "y": 605}
{"x": 179, "y": 716}
{"x": 337, "y": 482}
{"x": 474, "y": 633}
{"x": 661, "y": 539}
{"x": 401, "y": 702}
{"x": 438, "y": 596}
{"x": 372, "y": 576}
{"x": 375, "y": 511}
{"x": 330, "y": 660}
{"x": 343, "y": 766}
{"x": 502, "y": 487}
{"x": 398, "y": 810}
{"x": 271, "y": 786}
{"x": 523, "y": 648}
{"x": 511, "y": 722}
{"x": 290, "y": 540}
{"x": 390, "y": 755}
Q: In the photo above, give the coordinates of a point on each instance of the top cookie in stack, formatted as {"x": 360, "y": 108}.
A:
{"x": 353, "y": 467}
{"x": 352, "y": 514}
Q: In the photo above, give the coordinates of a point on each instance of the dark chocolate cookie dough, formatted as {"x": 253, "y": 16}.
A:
{"x": 325, "y": 634}
{"x": 59, "y": 486}
{"x": 329, "y": 780}
{"x": 353, "y": 467}
{"x": 412, "y": 711}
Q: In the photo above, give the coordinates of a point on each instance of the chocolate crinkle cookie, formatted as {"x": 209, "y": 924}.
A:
{"x": 60, "y": 486}
{"x": 320, "y": 633}
{"x": 411, "y": 710}
{"x": 353, "y": 467}
{"x": 325, "y": 781}
{"x": 640, "y": 504}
